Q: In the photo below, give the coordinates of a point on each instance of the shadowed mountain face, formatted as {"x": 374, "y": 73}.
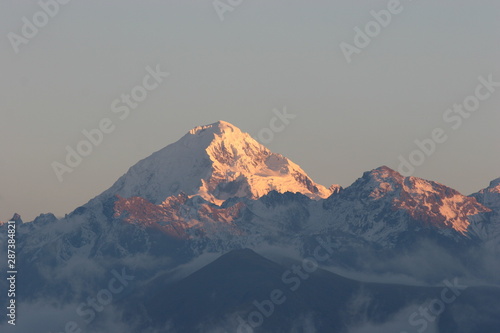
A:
{"x": 244, "y": 292}
{"x": 217, "y": 191}
{"x": 490, "y": 196}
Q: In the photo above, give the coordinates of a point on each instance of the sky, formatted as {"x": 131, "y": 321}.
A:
{"x": 358, "y": 99}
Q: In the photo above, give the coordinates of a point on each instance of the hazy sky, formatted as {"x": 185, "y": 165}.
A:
{"x": 264, "y": 55}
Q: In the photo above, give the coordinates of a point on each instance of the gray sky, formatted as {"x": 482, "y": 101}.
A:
{"x": 264, "y": 55}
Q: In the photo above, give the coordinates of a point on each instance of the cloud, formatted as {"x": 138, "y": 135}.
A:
{"x": 47, "y": 317}
{"x": 190, "y": 267}
{"x": 399, "y": 323}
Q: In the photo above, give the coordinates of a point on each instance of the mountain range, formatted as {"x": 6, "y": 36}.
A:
{"x": 211, "y": 224}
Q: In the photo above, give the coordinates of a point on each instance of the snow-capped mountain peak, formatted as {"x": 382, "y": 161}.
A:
{"x": 495, "y": 185}
{"x": 216, "y": 161}
{"x": 490, "y": 196}
{"x": 427, "y": 201}
{"x": 218, "y": 127}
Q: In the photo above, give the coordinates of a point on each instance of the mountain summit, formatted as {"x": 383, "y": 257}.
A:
{"x": 217, "y": 162}
{"x": 490, "y": 196}
{"x": 393, "y": 200}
